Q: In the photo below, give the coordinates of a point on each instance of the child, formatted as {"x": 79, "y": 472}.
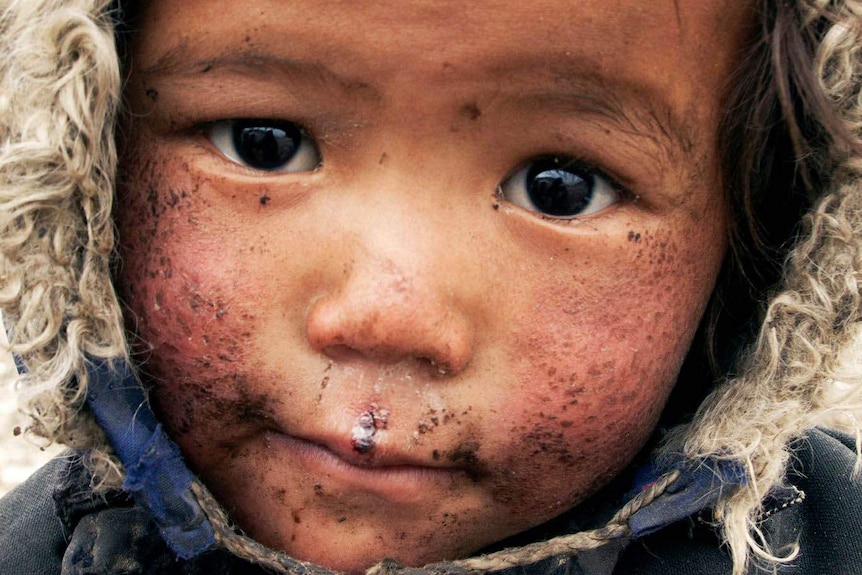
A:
{"x": 469, "y": 286}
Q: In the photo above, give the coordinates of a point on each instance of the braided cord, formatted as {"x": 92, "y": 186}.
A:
{"x": 571, "y": 545}
{"x": 245, "y": 547}
{"x": 250, "y": 550}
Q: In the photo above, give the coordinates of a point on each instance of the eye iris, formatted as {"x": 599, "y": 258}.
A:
{"x": 266, "y": 146}
{"x": 558, "y": 192}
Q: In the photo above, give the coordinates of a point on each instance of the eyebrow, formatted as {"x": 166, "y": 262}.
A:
{"x": 633, "y": 108}
{"x": 651, "y": 119}
{"x": 176, "y": 63}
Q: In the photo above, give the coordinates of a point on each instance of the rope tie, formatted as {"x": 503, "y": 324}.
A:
{"x": 250, "y": 550}
{"x": 244, "y": 547}
{"x": 571, "y": 545}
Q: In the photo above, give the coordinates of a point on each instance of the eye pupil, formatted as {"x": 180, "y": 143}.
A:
{"x": 556, "y": 191}
{"x": 266, "y": 146}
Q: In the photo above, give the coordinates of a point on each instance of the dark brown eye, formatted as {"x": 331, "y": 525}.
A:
{"x": 556, "y": 187}
{"x": 265, "y": 145}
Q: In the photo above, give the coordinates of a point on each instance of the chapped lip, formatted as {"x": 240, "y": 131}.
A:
{"x": 388, "y": 475}
{"x": 342, "y": 449}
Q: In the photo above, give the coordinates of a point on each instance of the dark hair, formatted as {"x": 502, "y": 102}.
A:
{"x": 781, "y": 142}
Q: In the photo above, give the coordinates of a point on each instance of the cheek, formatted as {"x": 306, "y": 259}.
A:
{"x": 598, "y": 348}
{"x": 192, "y": 316}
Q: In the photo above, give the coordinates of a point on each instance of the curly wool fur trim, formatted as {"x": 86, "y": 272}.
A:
{"x": 60, "y": 86}
{"x": 796, "y": 375}
{"x": 789, "y": 378}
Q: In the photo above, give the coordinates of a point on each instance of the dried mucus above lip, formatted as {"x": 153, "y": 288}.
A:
{"x": 367, "y": 424}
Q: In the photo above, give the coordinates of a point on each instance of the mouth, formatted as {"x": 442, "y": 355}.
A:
{"x": 392, "y": 475}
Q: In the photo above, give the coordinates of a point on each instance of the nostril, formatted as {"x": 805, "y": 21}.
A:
{"x": 346, "y": 354}
{"x": 431, "y": 367}
{"x": 340, "y": 352}
{"x": 437, "y": 368}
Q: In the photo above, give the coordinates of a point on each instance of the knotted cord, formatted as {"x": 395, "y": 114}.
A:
{"x": 564, "y": 546}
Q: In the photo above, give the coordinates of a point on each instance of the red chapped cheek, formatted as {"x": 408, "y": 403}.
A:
{"x": 598, "y": 355}
{"x": 193, "y": 323}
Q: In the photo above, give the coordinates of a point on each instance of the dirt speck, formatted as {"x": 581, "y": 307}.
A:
{"x": 471, "y": 111}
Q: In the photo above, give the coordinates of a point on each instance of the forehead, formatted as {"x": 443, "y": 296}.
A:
{"x": 666, "y": 46}
{"x": 648, "y": 68}
{"x": 654, "y": 72}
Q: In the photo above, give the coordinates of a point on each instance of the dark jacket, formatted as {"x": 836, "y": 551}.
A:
{"x": 52, "y": 524}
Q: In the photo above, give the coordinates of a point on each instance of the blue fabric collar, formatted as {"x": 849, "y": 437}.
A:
{"x": 156, "y": 475}
{"x": 699, "y": 486}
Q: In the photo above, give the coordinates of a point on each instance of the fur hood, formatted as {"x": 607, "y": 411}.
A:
{"x": 60, "y": 96}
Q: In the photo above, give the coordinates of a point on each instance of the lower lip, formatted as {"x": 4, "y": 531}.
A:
{"x": 398, "y": 483}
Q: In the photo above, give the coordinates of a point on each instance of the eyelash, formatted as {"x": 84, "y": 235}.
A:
{"x": 278, "y": 144}
{"x": 561, "y": 188}
{"x": 556, "y": 187}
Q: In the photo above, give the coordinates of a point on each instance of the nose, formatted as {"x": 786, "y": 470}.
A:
{"x": 390, "y": 312}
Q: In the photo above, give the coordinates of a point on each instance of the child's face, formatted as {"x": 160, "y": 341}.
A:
{"x": 457, "y": 300}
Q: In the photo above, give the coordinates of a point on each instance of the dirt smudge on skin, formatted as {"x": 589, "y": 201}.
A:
{"x": 471, "y": 111}
{"x": 237, "y": 408}
{"x": 466, "y": 456}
